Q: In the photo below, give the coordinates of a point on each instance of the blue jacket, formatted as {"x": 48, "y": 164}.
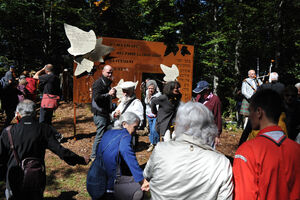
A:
{"x": 113, "y": 138}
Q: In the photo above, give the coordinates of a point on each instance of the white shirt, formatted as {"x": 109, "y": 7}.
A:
{"x": 249, "y": 89}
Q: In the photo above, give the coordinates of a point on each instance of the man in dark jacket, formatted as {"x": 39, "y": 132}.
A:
{"x": 48, "y": 83}
{"x": 31, "y": 139}
{"x": 273, "y": 84}
{"x": 101, "y": 104}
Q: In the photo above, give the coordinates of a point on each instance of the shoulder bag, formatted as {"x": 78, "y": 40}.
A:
{"x": 50, "y": 101}
{"x": 28, "y": 175}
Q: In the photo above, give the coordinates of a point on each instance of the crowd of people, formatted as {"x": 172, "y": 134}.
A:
{"x": 184, "y": 163}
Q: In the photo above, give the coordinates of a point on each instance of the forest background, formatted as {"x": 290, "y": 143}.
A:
{"x": 229, "y": 36}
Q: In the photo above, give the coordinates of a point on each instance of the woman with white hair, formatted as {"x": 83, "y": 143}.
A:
{"x": 151, "y": 93}
{"x": 115, "y": 147}
{"x": 189, "y": 168}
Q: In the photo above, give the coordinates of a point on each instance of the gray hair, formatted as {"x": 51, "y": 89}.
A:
{"x": 26, "y": 108}
{"x": 151, "y": 82}
{"x": 274, "y": 76}
{"x": 196, "y": 120}
{"x": 297, "y": 85}
{"x": 128, "y": 118}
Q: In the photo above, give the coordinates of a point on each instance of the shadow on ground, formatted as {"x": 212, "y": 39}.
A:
{"x": 70, "y": 195}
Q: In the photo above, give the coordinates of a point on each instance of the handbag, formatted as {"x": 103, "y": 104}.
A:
{"x": 125, "y": 187}
{"x": 50, "y": 101}
{"x": 96, "y": 179}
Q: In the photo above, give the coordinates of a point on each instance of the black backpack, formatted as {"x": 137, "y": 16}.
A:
{"x": 29, "y": 175}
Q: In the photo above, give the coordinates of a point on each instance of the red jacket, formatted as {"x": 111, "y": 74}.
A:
{"x": 267, "y": 167}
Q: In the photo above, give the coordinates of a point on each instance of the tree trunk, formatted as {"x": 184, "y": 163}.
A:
{"x": 216, "y": 78}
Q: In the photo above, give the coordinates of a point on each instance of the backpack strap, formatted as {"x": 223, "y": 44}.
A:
{"x": 128, "y": 104}
{"x": 250, "y": 85}
{"x": 12, "y": 147}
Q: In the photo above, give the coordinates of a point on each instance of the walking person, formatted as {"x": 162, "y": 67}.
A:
{"x": 101, "y": 104}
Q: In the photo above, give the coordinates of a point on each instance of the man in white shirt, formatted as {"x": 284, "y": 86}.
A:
{"x": 249, "y": 87}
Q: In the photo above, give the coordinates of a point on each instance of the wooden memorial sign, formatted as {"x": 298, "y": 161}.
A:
{"x": 137, "y": 60}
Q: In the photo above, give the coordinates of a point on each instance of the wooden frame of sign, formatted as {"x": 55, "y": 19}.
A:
{"x": 136, "y": 60}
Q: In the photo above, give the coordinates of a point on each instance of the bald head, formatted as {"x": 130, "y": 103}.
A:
{"x": 49, "y": 68}
{"x": 273, "y": 77}
{"x": 107, "y": 71}
{"x": 251, "y": 74}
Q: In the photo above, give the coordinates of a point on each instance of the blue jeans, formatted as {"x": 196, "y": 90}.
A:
{"x": 101, "y": 123}
{"x": 154, "y": 136}
{"x": 46, "y": 115}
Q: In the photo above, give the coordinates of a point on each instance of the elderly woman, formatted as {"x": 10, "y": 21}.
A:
{"x": 115, "y": 146}
{"x": 194, "y": 170}
{"x": 151, "y": 92}
{"x": 168, "y": 104}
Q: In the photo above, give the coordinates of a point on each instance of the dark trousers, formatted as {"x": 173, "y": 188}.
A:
{"x": 46, "y": 115}
{"x": 245, "y": 133}
{"x": 10, "y": 114}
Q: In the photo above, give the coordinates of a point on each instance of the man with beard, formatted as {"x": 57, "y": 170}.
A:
{"x": 129, "y": 103}
{"x": 212, "y": 102}
{"x": 101, "y": 104}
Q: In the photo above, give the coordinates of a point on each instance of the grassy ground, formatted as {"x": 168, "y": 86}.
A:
{"x": 68, "y": 182}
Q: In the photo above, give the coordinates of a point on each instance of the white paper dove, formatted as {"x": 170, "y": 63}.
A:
{"x": 86, "y": 47}
{"x": 82, "y": 42}
{"x": 171, "y": 73}
{"x": 100, "y": 50}
{"x": 82, "y": 66}
{"x": 119, "y": 93}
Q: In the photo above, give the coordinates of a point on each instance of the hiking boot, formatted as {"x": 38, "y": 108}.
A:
{"x": 151, "y": 147}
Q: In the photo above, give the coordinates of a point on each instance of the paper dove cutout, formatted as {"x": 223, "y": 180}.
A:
{"x": 82, "y": 42}
{"x": 87, "y": 47}
{"x": 171, "y": 73}
{"x": 99, "y": 51}
{"x": 119, "y": 93}
{"x": 82, "y": 66}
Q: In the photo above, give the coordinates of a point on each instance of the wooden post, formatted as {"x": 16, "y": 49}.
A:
{"x": 74, "y": 124}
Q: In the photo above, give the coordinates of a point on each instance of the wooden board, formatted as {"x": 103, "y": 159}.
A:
{"x": 136, "y": 60}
